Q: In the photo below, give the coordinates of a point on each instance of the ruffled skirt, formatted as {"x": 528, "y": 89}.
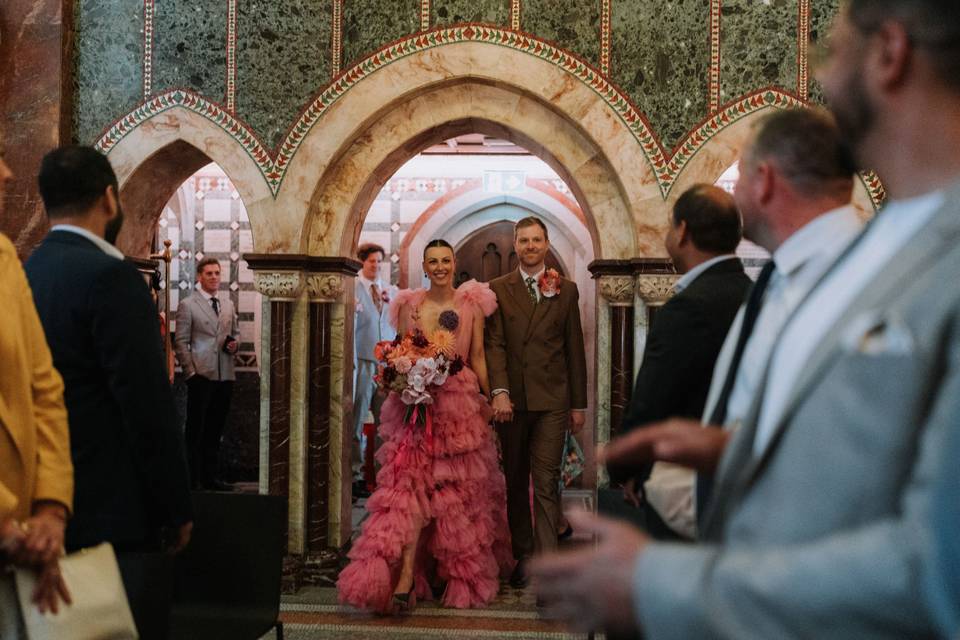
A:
{"x": 447, "y": 483}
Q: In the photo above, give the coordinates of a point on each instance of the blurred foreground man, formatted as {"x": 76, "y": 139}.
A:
{"x": 131, "y": 483}
{"x": 819, "y": 524}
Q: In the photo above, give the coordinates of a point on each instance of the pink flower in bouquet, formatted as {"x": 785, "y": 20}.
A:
{"x": 411, "y": 396}
{"x": 549, "y": 283}
{"x": 422, "y": 374}
{"x": 403, "y": 364}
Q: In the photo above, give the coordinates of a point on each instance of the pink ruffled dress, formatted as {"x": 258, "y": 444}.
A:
{"x": 450, "y": 484}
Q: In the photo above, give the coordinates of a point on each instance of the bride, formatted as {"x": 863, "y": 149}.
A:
{"x": 437, "y": 520}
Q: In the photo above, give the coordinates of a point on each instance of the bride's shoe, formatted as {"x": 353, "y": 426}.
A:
{"x": 405, "y": 602}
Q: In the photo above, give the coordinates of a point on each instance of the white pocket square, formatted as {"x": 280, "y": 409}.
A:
{"x": 871, "y": 334}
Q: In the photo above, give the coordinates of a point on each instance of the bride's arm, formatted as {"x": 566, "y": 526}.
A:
{"x": 478, "y": 358}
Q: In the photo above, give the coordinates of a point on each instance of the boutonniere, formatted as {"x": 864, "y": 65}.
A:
{"x": 549, "y": 283}
{"x": 385, "y": 296}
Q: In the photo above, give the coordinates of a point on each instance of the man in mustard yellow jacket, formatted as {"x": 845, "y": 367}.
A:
{"x": 36, "y": 472}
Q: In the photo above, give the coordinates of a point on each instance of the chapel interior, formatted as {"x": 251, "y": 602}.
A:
{"x": 278, "y": 136}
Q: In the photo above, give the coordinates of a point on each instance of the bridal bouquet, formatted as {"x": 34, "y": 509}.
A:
{"x": 415, "y": 366}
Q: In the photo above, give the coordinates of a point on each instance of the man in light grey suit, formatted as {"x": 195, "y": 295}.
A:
{"x": 371, "y": 325}
{"x": 205, "y": 342}
{"x": 819, "y": 525}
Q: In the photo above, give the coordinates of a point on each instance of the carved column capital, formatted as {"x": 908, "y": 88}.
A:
{"x": 617, "y": 290}
{"x": 325, "y": 287}
{"x": 279, "y": 285}
{"x": 655, "y": 289}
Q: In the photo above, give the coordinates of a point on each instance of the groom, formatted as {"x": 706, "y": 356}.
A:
{"x": 538, "y": 373}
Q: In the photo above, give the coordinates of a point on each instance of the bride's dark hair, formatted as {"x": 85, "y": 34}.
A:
{"x": 439, "y": 242}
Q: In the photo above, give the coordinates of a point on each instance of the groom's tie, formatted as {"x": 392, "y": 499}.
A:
{"x": 531, "y": 290}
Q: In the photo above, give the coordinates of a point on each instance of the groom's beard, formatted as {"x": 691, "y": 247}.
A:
{"x": 112, "y": 230}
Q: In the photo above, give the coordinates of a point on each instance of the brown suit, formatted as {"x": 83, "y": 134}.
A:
{"x": 536, "y": 352}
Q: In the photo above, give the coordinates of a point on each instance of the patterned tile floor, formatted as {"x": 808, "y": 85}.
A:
{"x": 313, "y": 613}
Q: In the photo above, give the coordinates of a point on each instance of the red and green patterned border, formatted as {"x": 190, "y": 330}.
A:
{"x": 273, "y": 164}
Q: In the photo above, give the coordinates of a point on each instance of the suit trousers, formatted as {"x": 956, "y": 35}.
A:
{"x": 532, "y": 446}
{"x": 208, "y": 402}
{"x": 363, "y": 395}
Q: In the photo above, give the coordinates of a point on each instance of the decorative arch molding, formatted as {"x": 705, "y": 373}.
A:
{"x": 402, "y": 128}
{"x": 422, "y": 50}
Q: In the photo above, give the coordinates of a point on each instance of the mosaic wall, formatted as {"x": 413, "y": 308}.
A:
{"x": 678, "y": 62}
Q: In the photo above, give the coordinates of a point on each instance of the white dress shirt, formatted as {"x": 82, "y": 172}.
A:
{"x": 893, "y": 228}
{"x": 800, "y": 263}
{"x": 687, "y": 279}
{"x": 102, "y": 244}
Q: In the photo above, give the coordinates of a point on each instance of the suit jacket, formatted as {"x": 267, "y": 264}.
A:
{"x": 681, "y": 350}
{"x": 201, "y": 334}
{"x": 34, "y": 440}
{"x": 824, "y": 532}
{"x": 130, "y": 469}
{"x": 370, "y": 326}
{"x": 682, "y": 346}
{"x": 536, "y": 351}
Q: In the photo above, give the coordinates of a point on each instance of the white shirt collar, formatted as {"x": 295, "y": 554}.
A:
{"x": 536, "y": 276}
{"x": 807, "y": 241}
{"x": 207, "y": 296}
{"x": 102, "y": 244}
{"x": 367, "y": 282}
{"x": 687, "y": 278}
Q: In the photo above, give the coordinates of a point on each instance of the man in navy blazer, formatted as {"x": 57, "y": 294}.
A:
{"x": 130, "y": 472}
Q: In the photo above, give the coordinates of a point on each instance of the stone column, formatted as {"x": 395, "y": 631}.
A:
{"x": 282, "y": 289}
{"x": 617, "y": 293}
{"x": 306, "y": 403}
{"x": 330, "y": 404}
{"x": 625, "y": 298}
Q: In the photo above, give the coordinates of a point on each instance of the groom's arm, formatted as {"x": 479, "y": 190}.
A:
{"x": 495, "y": 344}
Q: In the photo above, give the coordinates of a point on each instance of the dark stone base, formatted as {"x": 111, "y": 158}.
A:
{"x": 312, "y": 570}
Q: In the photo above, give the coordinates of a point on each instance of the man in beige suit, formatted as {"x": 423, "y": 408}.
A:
{"x": 538, "y": 373}
{"x": 206, "y": 341}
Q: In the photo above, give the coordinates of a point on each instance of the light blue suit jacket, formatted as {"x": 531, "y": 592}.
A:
{"x": 824, "y": 534}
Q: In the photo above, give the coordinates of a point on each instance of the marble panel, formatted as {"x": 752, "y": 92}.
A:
{"x": 216, "y": 210}
{"x": 244, "y": 272}
{"x": 249, "y": 300}
{"x": 573, "y": 24}
{"x": 108, "y": 80}
{"x": 248, "y": 331}
{"x": 370, "y": 24}
{"x": 190, "y": 46}
{"x": 758, "y": 46}
{"x": 31, "y": 109}
{"x": 447, "y": 12}
{"x": 822, "y": 13}
{"x": 283, "y": 58}
{"x": 318, "y": 426}
{"x": 660, "y": 56}
{"x": 217, "y": 241}
{"x": 379, "y": 211}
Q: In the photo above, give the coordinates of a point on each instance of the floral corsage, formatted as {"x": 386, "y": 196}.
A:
{"x": 549, "y": 283}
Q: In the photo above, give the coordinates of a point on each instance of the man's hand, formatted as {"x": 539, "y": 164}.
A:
{"x": 502, "y": 407}
{"x": 44, "y": 530}
{"x": 178, "y": 539}
{"x": 678, "y": 440}
{"x": 11, "y": 540}
{"x": 232, "y": 346}
{"x": 592, "y": 588}
{"x": 578, "y": 418}
{"x": 630, "y": 493}
{"x": 50, "y": 588}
